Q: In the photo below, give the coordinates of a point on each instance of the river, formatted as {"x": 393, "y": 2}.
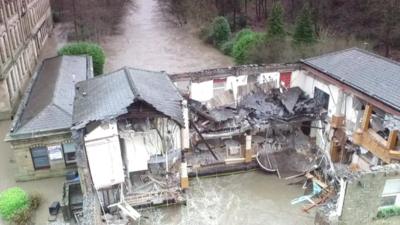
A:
{"x": 148, "y": 41}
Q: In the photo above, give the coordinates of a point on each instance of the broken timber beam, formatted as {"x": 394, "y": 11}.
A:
{"x": 204, "y": 140}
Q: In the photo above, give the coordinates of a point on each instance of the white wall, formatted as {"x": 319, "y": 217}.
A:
{"x": 202, "y": 91}
{"x": 104, "y": 156}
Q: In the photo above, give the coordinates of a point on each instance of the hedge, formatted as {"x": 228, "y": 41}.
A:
{"x": 12, "y": 201}
{"x": 86, "y": 48}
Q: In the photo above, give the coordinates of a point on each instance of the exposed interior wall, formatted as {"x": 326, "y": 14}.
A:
{"x": 104, "y": 155}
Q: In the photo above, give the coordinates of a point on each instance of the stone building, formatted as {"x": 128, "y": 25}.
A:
{"x": 24, "y": 28}
{"x": 40, "y": 133}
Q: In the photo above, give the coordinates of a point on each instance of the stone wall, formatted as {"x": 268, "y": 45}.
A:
{"x": 24, "y": 28}
{"x": 363, "y": 197}
{"x": 25, "y": 169}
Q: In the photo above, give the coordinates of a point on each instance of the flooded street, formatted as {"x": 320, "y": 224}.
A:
{"x": 149, "y": 41}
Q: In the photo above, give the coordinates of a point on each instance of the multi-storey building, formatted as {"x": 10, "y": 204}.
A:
{"x": 24, "y": 28}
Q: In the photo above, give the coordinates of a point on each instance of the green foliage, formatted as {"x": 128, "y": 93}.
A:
{"x": 12, "y": 201}
{"x": 244, "y": 43}
{"x": 227, "y": 47}
{"x": 220, "y": 31}
{"x": 304, "y": 32}
{"x": 275, "y": 25}
{"x": 86, "y": 48}
{"x": 388, "y": 212}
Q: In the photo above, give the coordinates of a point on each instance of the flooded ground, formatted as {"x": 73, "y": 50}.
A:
{"x": 148, "y": 41}
{"x": 49, "y": 189}
{"x": 250, "y": 198}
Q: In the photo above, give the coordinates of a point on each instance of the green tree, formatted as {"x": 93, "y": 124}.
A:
{"x": 304, "y": 31}
{"x": 220, "y": 30}
{"x": 275, "y": 24}
{"x": 244, "y": 44}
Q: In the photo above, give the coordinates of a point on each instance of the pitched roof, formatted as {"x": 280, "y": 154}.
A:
{"x": 108, "y": 96}
{"x": 47, "y": 104}
{"x": 374, "y": 75}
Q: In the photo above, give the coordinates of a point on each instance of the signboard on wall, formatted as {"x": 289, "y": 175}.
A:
{"x": 55, "y": 152}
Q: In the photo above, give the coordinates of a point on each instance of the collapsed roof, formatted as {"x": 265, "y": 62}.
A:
{"x": 108, "y": 96}
{"x": 47, "y": 105}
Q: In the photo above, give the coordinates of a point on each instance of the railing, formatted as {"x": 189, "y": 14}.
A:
{"x": 373, "y": 142}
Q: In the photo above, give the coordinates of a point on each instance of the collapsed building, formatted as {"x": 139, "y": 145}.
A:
{"x": 128, "y": 125}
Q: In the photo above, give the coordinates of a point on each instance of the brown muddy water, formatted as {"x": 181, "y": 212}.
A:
{"x": 148, "y": 41}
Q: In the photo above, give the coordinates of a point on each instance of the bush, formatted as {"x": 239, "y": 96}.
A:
{"x": 220, "y": 31}
{"x": 12, "y": 201}
{"x": 387, "y": 212}
{"x": 86, "y": 48}
{"x": 22, "y": 217}
{"x": 34, "y": 201}
{"x": 243, "y": 45}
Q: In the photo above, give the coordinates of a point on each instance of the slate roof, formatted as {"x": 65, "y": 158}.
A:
{"x": 374, "y": 75}
{"x": 47, "y": 105}
{"x": 108, "y": 96}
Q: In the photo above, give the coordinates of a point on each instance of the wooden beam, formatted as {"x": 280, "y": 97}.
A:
{"x": 366, "y": 118}
{"x": 391, "y": 142}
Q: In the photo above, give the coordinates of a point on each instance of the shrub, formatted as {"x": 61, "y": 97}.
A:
{"x": 12, "y": 201}
{"x": 35, "y": 200}
{"x": 86, "y": 48}
{"x": 220, "y": 31}
{"x": 243, "y": 45}
{"x": 22, "y": 217}
{"x": 388, "y": 212}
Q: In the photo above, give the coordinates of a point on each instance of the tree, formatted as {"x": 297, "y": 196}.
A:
{"x": 275, "y": 28}
{"x": 244, "y": 44}
{"x": 304, "y": 32}
{"x": 220, "y": 30}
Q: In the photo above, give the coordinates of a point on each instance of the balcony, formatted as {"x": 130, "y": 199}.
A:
{"x": 373, "y": 142}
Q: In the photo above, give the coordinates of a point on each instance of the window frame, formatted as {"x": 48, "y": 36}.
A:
{"x": 33, "y": 158}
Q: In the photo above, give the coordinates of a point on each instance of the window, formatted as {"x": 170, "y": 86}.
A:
{"x": 40, "y": 158}
{"x": 321, "y": 98}
{"x": 69, "y": 153}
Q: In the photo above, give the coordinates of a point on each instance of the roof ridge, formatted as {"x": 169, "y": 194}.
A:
{"x": 131, "y": 84}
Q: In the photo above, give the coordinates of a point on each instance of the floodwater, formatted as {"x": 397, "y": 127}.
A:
{"x": 251, "y": 198}
{"x": 49, "y": 189}
{"x": 148, "y": 41}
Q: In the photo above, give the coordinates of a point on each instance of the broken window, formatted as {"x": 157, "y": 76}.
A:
{"x": 219, "y": 86}
{"x": 40, "y": 158}
{"x": 69, "y": 153}
{"x": 321, "y": 97}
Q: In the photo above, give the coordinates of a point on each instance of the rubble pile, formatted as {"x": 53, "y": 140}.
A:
{"x": 255, "y": 110}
